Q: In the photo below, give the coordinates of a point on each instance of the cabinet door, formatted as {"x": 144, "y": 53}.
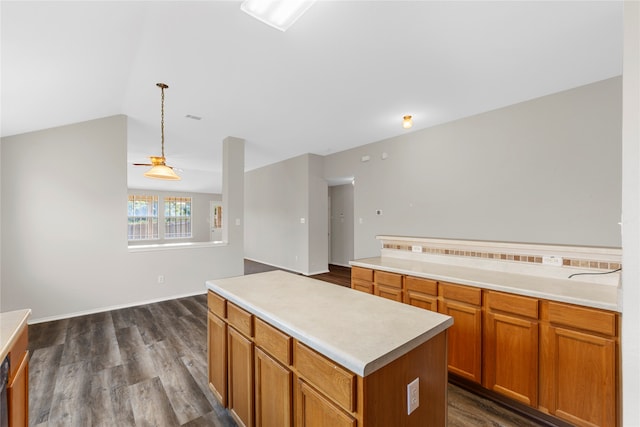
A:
{"x": 581, "y": 370}
{"x": 217, "y": 349}
{"x": 315, "y": 410}
{"x": 274, "y": 392}
{"x": 240, "y": 377}
{"x": 465, "y": 339}
{"x": 511, "y": 357}
{"x": 18, "y": 394}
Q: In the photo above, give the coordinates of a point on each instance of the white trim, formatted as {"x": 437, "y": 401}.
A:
{"x": 171, "y": 246}
{"x": 113, "y": 307}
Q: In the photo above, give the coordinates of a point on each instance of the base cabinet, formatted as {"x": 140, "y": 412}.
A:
{"x": 362, "y": 279}
{"x": 315, "y": 410}
{"x": 579, "y": 364}
{"x": 273, "y": 388}
{"x": 388, "y": 285}
{"x": 560, "y": 359}
{"x": 217, "y": 355}
{"x": 240, "y": 378}
{"x": 421, "y": 293}
{"x": 511, "y": 346}
{"x": 463, "y": 303}
{"x": 18, "y": 382}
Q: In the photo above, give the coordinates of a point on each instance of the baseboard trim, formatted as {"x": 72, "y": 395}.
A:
{"x": 112, "y": 307}
{"x": 517, "y": 407}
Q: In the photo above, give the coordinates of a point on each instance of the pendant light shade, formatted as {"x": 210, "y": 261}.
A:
{"x": 160, "y": 170}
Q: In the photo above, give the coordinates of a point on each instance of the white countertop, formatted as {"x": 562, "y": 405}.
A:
{"x": 359, "y": 331}
{"x": 11, "y": 324}
{"x": 571, "y": 291}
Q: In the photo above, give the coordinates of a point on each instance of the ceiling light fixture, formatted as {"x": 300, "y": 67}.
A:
{"x": 159, "y": 169}
{"x": 407, "y": 122}
{"x": 280, "y": 14}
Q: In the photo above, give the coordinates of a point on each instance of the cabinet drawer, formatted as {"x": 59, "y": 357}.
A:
{"x": 276, "y": 343}
{"x": 588, "y": 319}
{"x": 514, "y": 304}
{"x": 217, "y": 305}
{"x": 240, "y": 319}
{"x": 425, "y": 286}
{"x": 362, "y": 285}
{"x": 332, "y": 380}
{"x": 392, "y": 280}
{"x": 362, "y": 273}
{"x": 461, "y": 293}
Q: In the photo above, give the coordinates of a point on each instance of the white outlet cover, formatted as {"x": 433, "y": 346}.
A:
{"x": 413, "y": 395}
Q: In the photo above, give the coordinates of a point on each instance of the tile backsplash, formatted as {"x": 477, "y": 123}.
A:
{"x": 517, "y": 257}
{"x": 520, "y": 258}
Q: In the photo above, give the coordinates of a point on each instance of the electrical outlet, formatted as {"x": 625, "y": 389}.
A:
{"x": 416, "y": 248}
{"x": 552, "y": 260}
{"x": 161, "y": 279}
{"x": 413, "y": 395}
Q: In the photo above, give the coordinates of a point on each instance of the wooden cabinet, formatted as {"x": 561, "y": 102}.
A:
{"x": 273, "y": 380}
{"x": 240, "y": 364}
{"x": 561, "y": 359}
{"x": 315, "y": 410}
{"x": 274, "y": 392}
{"x": 579, "y": 353}
{"x": 421, "y": 293}
{"x": 273, "y": 377}
{"x": 388, "y": 285}
{"x": 18, "y": 385}
{"x": 336, "y": 383}
{"x": 217, "y": 355}
{"x": 362, "y": 279}
{"x": 510, "y": 346}
{"x": 464, "y": 304}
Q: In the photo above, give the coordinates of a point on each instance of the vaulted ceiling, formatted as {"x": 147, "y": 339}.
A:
{"x": 342, "y": 76}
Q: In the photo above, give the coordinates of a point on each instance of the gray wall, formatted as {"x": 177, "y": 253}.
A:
{"x": 277, "y": 199}
{"x": 64, "y": 219}
{"x": 200, "y": 214}
{"x": 341, "y": 221}
{"x": 543, "y": 171}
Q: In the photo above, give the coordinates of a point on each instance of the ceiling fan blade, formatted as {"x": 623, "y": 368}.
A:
{"x": 142, "y": 164}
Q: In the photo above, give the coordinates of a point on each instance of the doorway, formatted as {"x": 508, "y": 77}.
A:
{"x": 341, "y": 224}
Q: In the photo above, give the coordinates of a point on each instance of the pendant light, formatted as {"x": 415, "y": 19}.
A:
{"x": 159, "y": 169}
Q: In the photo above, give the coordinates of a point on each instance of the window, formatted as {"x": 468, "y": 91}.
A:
{"x": 177, "y": 217}
{"x": 143, "y": 217}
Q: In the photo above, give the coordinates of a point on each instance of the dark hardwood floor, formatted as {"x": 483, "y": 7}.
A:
{"x": 146, "y": 366}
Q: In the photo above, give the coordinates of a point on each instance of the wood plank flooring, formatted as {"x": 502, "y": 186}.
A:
{"x": 146, "y": 366}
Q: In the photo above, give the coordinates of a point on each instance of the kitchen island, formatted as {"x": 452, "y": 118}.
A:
{"x": 289, "y": 350}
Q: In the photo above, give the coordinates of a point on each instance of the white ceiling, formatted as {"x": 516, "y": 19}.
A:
{"x": 342, "y": 76}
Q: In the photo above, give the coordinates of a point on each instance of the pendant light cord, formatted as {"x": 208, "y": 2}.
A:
{"x": 162, "y": 87}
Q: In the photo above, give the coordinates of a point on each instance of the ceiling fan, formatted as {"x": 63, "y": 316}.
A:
{"x": 159, "y": 168}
